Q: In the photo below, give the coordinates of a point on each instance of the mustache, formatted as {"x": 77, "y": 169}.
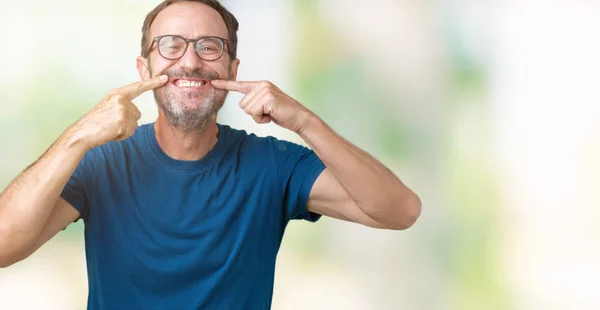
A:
{"x": 197, "y": 73}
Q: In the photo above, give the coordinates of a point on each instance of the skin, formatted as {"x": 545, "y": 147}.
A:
{"x": 190, "y": 20}
{"x": 379, "y": 199}
{"x": 31, "y": 210}
{"x": 353, "y": 187}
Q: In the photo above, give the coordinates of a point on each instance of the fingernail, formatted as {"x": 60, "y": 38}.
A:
{"x": 163, "y": 77}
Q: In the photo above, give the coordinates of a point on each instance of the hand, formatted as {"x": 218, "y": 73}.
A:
{"x": 265, "y": 103}
{"x": 115, "y": 117}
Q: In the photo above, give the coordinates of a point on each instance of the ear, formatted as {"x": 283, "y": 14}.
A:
{"x": 143, "y": 68}
{"x": 234, "y": 69}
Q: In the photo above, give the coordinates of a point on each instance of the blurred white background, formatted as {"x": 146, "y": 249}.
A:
{"x": 489, "y": 110}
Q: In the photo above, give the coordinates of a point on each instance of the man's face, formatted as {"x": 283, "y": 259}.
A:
{"x": 189, "y": 100}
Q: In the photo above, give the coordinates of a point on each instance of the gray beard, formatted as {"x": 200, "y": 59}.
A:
{"x": 185, "y": 119}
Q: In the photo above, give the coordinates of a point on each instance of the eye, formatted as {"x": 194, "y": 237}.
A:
{"x": 174, "y": 45}
{"x": 171, "y": 44}
{"x": 209, "y": 46}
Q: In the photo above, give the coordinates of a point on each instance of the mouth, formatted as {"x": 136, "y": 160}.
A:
{"x": 189, "y": 83}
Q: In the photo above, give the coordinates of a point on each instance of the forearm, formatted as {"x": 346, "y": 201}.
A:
{"x": 27, "y": 202}
{"x": 373, "y": 187}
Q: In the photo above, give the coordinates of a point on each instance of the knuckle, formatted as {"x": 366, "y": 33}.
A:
{"x": 121, "y": 109}
{"x": 120, "y": 130}
{"x": 115, "y": 97}
{"x": 270, "y": 95}
{"x": 257, "y": 109}
{"x": 269, "y": 109}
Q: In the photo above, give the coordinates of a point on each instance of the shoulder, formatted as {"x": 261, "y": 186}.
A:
{"x": 248, "y": 141}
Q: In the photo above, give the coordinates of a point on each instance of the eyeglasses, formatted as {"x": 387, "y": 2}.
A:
{"x": 173, "y": 47}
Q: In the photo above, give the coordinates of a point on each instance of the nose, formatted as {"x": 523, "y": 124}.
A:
{"x": 190, "y": 60}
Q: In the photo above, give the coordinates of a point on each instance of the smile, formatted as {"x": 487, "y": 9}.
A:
{"x": 189, "y": 83}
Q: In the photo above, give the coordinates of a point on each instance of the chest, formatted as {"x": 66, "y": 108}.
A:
{"x": 170, "y": 226}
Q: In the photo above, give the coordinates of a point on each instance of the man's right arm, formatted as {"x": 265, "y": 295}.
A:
{"x": 31, "y": 208}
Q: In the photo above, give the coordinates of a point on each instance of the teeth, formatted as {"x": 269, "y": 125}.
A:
{"x": 186, "y": 83}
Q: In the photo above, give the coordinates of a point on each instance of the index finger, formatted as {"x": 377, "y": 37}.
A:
{"x": 135, "y": 89}
{"x": 242, "y": 87}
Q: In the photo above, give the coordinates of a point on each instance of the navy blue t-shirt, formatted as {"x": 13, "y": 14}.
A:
{"x": 168, "y": 234}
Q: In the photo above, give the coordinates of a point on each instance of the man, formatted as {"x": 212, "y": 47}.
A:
{"x": 187, "y": 213}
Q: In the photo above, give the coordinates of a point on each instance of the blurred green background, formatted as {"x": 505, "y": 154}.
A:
{"x": 487, "y": 109}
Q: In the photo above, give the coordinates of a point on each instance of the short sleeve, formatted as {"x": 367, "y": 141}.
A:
{"x": 298, "y": 168}
{"x": 79, "y": 185}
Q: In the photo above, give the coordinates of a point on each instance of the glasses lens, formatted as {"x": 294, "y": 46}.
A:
{"x": 209, "y": 48}
{"x": 171, "y": 47}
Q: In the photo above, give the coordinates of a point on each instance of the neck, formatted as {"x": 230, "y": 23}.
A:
{"x": 186, "y": 145}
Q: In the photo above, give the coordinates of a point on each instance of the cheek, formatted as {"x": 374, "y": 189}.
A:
{"x": 158, "y": 66}
{"x": 224, "y": 67}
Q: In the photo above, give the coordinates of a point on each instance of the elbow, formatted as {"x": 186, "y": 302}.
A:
{"x": 8, "y": 257}
{"x": 4, "y": 261}
{"x": 407, "y": 213}
{"x": 5, "y": 258}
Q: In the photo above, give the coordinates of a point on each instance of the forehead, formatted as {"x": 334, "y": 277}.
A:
{"x": 189, "y": 19}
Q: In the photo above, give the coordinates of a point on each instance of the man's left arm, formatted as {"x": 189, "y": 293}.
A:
{"x": 354, "y": 186}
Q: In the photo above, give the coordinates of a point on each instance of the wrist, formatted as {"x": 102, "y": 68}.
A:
{"x": 309, "y": 121}
{"x": 75, "y": 139}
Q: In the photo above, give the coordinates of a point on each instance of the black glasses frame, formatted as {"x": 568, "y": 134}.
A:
{"x": 157, "y": 39}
